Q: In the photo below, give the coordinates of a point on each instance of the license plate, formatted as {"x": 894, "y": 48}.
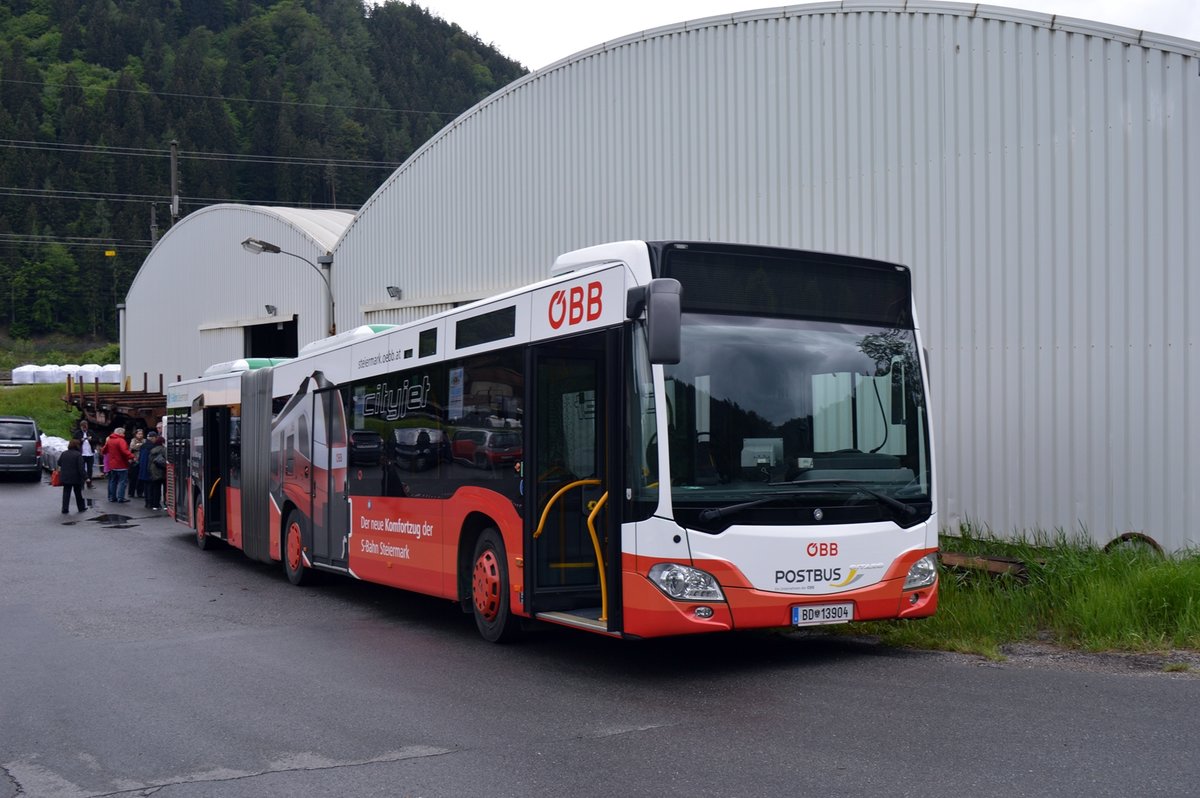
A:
{"x": 818, "y": 614}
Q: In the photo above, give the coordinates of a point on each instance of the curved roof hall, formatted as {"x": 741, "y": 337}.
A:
{"x": 1054, "y": 22}
{"x": 212, "y": 291}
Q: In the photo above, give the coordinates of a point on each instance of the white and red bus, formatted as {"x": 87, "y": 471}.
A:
{"x": 663, "y": 438}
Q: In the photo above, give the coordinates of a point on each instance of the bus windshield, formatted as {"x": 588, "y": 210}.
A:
{"x": 801, "y": 414}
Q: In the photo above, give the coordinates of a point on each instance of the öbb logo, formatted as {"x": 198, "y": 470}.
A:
{"x": 822, "y": 549}
{"x": 572, "y": 306}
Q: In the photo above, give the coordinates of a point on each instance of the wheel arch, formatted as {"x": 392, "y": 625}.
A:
{"x": 285, "y": 511}
{"x": 472, "y": 527}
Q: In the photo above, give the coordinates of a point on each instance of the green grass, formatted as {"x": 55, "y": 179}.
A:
{"x": 1076, "y": 595}
{"x": 45, "y": 404}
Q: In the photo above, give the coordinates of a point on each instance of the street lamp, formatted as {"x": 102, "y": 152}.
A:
{"x": 257, "y": 246}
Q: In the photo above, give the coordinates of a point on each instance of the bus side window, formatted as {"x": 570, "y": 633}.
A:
{"x": 289, "y": 467}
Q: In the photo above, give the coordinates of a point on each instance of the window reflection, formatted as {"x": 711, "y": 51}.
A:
{"x": 758, "y": 400}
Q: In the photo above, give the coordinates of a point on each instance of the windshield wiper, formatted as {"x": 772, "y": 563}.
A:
{"x": 715, "y": 513}
{"x": 890, "y": 501}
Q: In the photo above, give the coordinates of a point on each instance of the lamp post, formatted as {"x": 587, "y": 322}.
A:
{"x": 258, "y": 246}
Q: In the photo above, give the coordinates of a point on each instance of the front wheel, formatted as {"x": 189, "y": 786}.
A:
{"x": 490, "y": 590}
{"x": 293, "y": 549}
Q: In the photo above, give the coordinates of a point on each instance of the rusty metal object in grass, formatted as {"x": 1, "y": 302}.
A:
{"x": 1133, "y": 539}
{"x": 987, "y": 563}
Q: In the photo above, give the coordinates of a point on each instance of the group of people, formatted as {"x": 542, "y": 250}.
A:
{"x": 137, "y": 465}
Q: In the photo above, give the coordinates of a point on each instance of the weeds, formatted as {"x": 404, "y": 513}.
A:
{"x": 1074, "y": 594}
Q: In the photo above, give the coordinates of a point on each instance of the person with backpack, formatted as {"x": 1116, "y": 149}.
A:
{"x": 158, "y": 473}
{"x": 142, "y": 467}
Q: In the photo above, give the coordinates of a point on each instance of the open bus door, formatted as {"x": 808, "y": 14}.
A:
{"x": 571, "y": 528}
{"x": 216, "y": 471}
{"x": 179, "y": 442}
{"x": 210, "y": 470}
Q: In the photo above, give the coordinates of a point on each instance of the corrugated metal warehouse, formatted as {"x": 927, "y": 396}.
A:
{"x": 1041, "y": 176}
{"x": 200, "y": 298}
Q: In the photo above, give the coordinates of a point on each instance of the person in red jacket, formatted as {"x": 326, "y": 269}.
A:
{"x": 116, "y": 449}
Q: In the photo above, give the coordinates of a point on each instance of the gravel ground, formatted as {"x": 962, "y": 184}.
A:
{"x": 1168, "y": 664}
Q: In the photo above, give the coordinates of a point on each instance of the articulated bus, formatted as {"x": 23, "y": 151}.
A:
{"x": 663, "y": 438}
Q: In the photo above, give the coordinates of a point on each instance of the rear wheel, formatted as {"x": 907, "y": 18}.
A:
{"x": 203, "y": 539}
{"x": 293, "y": 549}
{"x": 490, "y": 590}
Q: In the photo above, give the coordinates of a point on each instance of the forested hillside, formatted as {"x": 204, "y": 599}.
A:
{"x": 307, "y": 103}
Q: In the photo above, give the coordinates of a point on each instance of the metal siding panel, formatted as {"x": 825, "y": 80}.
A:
{"x": 1039, "y": 182}
{"x": 219, "y": 346}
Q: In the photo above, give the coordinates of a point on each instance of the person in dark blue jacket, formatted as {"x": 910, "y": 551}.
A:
{"x": 144, "y": 469}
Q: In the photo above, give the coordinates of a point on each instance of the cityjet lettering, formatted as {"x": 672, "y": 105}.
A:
{"x": 393, "y": 403}
{"x": 572, "y": 306}
{"x": 803, "y": 576}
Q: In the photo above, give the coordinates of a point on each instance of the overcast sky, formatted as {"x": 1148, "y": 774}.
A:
{"x": 540, "y": 32}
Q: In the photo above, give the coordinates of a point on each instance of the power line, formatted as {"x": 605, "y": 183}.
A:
{"x": 197, "y": 202}
{"x": 281, "y": 159}
{"x": 12, "y": 241}
{"x": 108, "y": 240}
{"x": 12, "y": 191}
{"x": 204, "y": 202}
{"x": 145, "y": 152}
{"x": 246, "y": 100}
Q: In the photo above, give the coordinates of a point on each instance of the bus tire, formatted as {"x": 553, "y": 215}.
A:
{"x": 490, "y": 589}
{"x": 205, "y": 541}
{"x": 293, "y": 548}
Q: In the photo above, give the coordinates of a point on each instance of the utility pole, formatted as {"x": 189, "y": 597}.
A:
{"x": 174, "y": 181}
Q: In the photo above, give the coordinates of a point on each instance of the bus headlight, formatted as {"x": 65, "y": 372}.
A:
{"x": 684, "y": 583}
{"x": 923, "y": 572}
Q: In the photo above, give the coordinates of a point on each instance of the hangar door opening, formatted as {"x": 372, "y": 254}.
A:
{"x": 272, "y": 339}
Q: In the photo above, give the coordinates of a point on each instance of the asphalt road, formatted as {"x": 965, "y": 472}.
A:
{"x": 133, "y": 663}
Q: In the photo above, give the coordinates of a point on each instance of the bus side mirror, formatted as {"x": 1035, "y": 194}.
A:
{"x": 660, "y": 299}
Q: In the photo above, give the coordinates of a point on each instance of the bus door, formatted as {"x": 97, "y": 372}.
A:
{"x": 214, "y": 470}
{"x": 330, "y": 512}
{"x": 179, "y": 433}
{"x": 566, "y": 471}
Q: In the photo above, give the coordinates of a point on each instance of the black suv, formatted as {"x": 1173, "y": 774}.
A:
{"x": 20, "y": 447}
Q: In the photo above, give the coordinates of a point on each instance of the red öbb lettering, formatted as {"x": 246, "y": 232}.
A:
{"x": 594, "y": 303}
{"x": 822, "y": 549}
{"x": 573, "y": 305}
{"x": 575, "y": 308}
{"x": 558, "y": 309}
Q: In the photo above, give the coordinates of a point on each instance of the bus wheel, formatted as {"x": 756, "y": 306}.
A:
{"x": 293, "y": 546}
{"x": 203, "y": 540}
{"x": 489, "y": 590}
